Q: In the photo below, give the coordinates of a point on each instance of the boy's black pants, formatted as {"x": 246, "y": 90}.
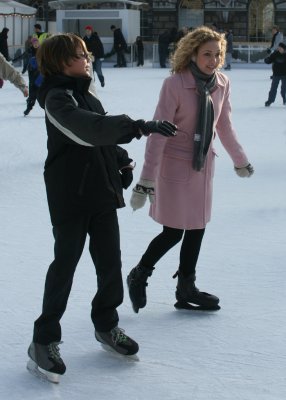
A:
{"x": 104, "y": 247}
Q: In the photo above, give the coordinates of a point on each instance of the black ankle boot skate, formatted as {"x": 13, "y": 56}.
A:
{"x": 189, "y": 296}
{"x": 137, "y": 282}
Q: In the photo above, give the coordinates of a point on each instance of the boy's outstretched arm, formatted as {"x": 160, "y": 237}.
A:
{"x": 89, "y": 128}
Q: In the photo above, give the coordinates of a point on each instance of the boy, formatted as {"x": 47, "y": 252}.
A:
{"x": 278, "y": 61}
{"x": 84, "y": 174}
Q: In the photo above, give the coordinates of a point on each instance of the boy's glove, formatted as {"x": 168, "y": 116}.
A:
{"x": 164, "y": 128}
{"x": 244, "y": 172}
{"x": 126, "y": 176}
{"x": 140, "y": 192}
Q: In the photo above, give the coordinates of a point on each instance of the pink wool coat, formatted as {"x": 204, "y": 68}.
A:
{"x": 183, "y": 196}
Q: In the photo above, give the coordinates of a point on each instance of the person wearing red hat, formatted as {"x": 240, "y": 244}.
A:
{"x": 95, "y": 46}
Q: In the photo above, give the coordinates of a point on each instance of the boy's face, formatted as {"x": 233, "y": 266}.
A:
{"x": 78, "y": 67}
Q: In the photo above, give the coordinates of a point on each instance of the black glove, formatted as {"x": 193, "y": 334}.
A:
{"x": 268, "y": 51}
{"x": 126, "y": 177}
{"x": 164, "y": 128}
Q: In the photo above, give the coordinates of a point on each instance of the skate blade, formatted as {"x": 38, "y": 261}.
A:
{"x": 40, "y": 373}
{"x": 195, "y": 307}
{"x": 127, "y": 357}
{"x": 135, "y": 309}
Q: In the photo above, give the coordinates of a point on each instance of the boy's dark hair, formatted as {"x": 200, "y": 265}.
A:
{"x": 38, "y": 26}
{"x": 57, "y": 51}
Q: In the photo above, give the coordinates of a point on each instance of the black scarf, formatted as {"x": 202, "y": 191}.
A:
{"x": 204, "y": 129}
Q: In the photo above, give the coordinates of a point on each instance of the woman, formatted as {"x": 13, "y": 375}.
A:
{"x": 177, "y": 174}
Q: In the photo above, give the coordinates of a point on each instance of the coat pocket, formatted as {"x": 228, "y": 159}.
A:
{"x": 175, "y": 169}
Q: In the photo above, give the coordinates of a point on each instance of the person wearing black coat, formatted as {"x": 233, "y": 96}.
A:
{"x": 163, "y": 47}
{"x": 120, "y": 46}
{"x": 85, "y": 171}
{"x": 4, "y": 43}
{"x": 95, "y": 46}
{"x": 139, "y": 49}
{"x": 278, "y": 61}
{"x": 229, "y": 49}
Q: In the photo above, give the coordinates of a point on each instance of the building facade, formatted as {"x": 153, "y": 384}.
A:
{"x": 250, "y": 20}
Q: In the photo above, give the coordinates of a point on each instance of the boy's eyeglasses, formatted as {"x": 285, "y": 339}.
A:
{"x": 83, "y": 55}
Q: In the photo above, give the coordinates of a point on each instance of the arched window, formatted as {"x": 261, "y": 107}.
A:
{"x": 260, "y": 20}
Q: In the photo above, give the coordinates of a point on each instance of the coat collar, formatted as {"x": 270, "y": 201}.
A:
{"x": 190, "y": 83}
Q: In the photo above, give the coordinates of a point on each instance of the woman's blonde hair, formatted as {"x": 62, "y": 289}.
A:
{"x": 189, "y": 45}
{"x": 57, "y": 51}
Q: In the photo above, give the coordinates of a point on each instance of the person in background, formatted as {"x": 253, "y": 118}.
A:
{"x": 26, "y": 54}
{"x": 120, "y": 46}
{"x": 4, "y": 48}
{"x": 177, "y": 174}
{"x": 85, "y": 173}
{"x": 39, "y": 34}
{"x": 215, "y": 27}
{"x": 9, "y": 73}
{"x": 35, "y": 78}
{"x": 4, "y": 43}
{"x": 180, "y": 34}
{"x": 163, "y": 47}
{"x": 95, "y": 47}
{"x": 139, "y": 51}
{"x": 277, "y": 37}
{"x": 278, "y": 61}
{"x": 229, "y": 49}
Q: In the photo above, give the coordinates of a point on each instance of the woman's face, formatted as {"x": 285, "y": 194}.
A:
{"x": 208, "y": 57}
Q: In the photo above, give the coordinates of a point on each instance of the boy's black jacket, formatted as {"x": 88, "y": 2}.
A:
{"x": 278, "y": 61}
{"x": 82, "y": 166}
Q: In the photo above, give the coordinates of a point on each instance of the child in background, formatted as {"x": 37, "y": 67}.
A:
{"x": 35, "y": 78}
{"x": 84, "y": 174}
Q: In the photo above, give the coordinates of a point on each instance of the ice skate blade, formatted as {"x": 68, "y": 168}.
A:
{"x": 40, "y": 373}
{"x": 111, "y": 350}
{"x": 135, "y": 309}
{"x": 194, "y": 307}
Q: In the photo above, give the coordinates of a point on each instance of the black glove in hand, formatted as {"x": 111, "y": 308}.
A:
{"x": 164, "y": 128}
{"x": 126, "y": 177}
